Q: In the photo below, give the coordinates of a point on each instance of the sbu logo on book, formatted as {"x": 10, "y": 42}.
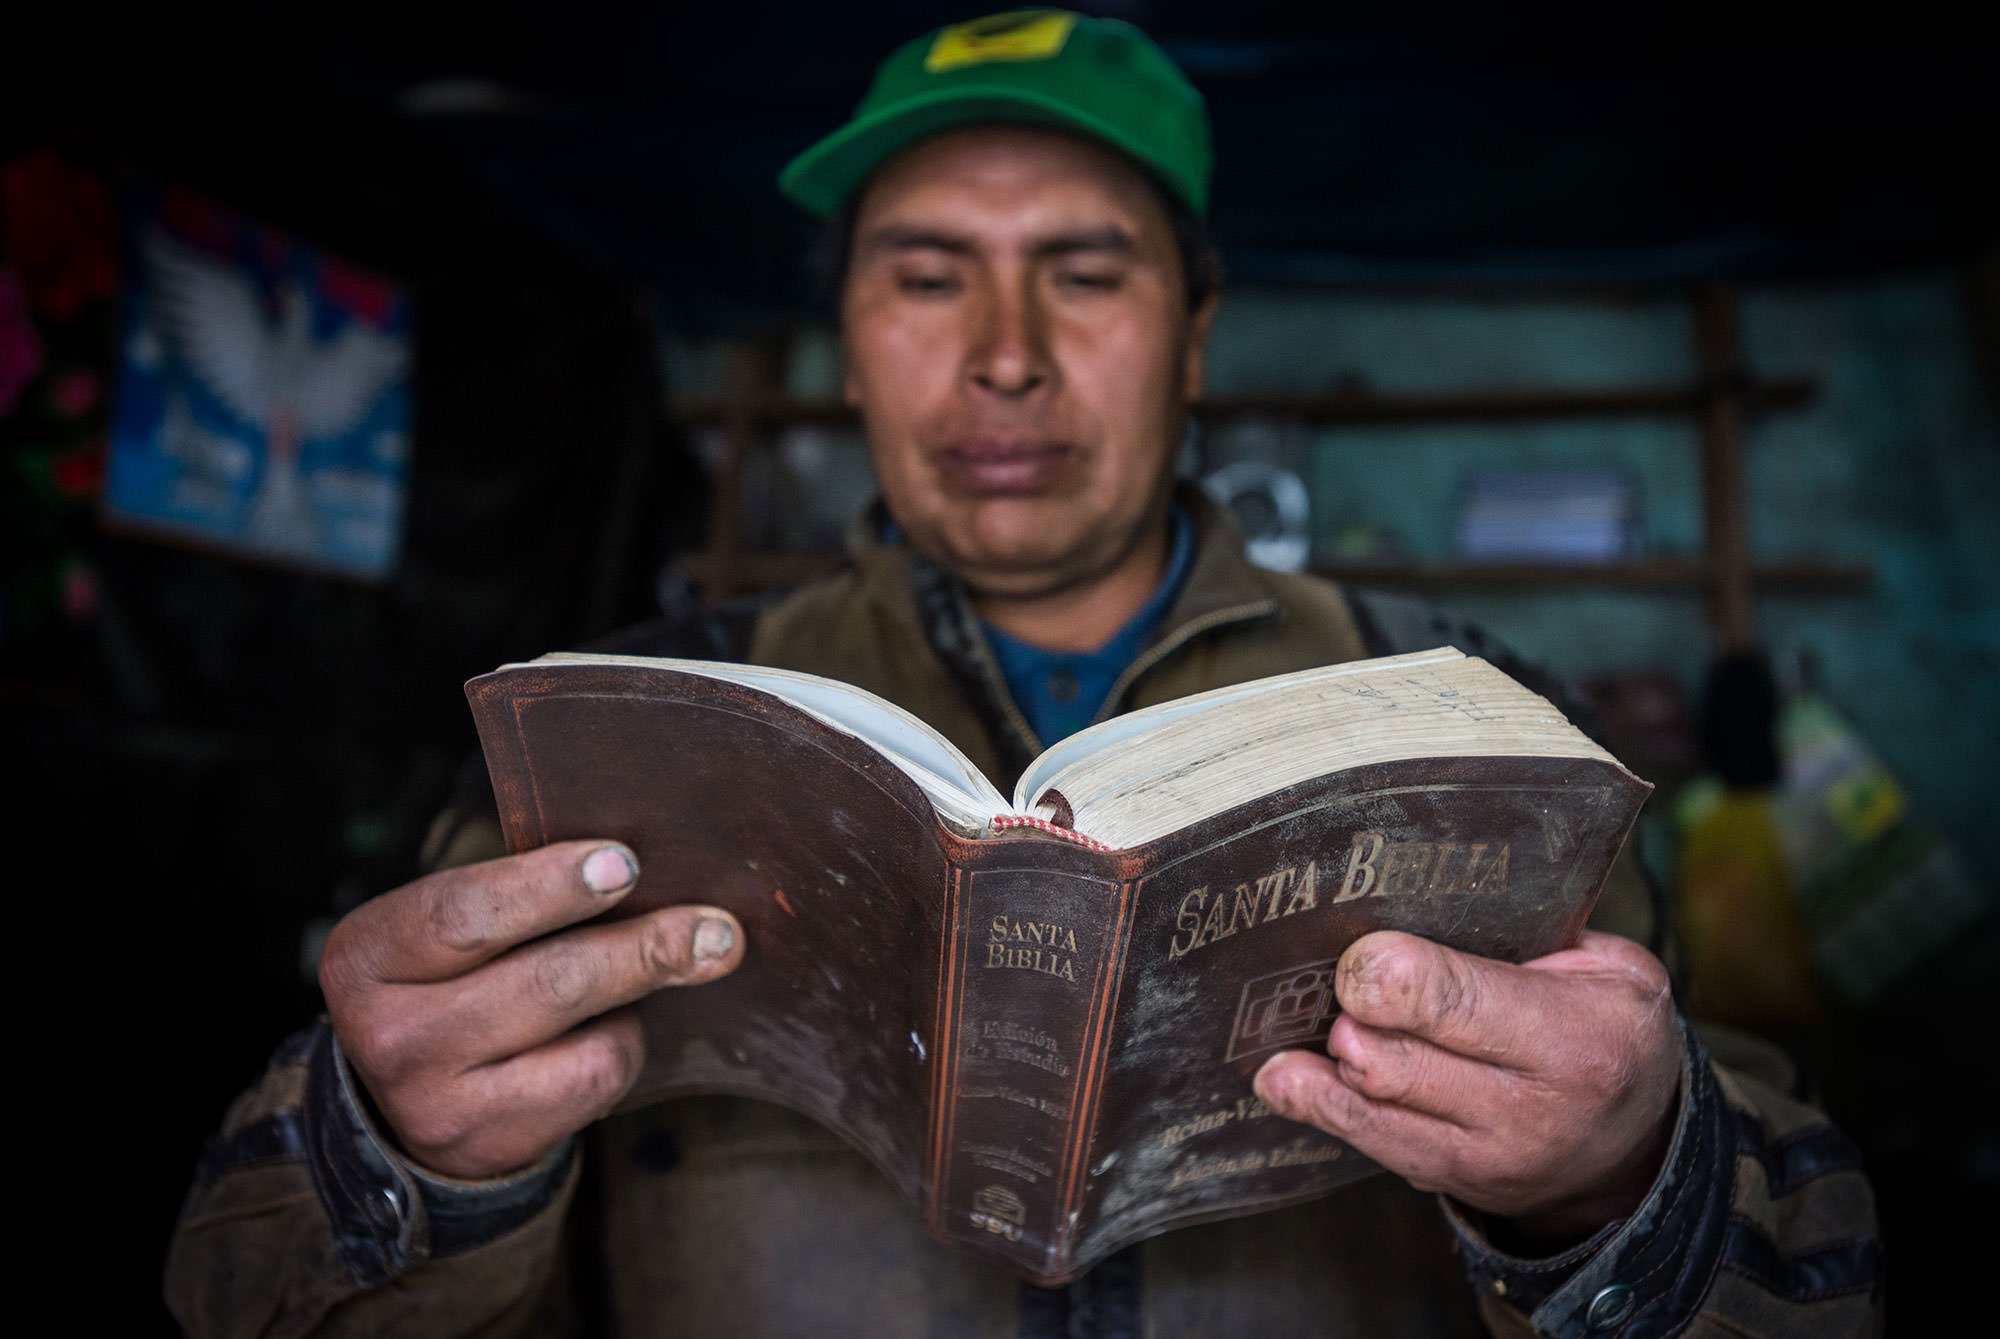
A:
{"x": 999, "y": 1210}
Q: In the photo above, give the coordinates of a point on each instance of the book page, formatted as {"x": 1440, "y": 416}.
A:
{"x": 1122, "y": 731}
{"x": 1303, "y": 726}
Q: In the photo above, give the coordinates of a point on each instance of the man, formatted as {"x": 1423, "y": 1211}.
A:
{"x": 1025, "y": 303}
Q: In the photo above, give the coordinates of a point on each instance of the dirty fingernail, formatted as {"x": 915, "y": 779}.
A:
{"x": 607, "y": 869}
{"x": 1364, "y": 986}
{"x": 713, "y": 939}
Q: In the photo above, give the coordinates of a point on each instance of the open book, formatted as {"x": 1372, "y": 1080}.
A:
{"x": 1039, "y": 1016}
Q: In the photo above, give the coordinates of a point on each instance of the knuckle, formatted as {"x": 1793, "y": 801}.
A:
{"x": 1371, "y": 1081}
{"x": 387, "y": 1045}
{"x": 1382, "y": 1075}
{"x": 457, "y": 918}
{"x": 605, "y": 1067}
{"x": 349, "y": 966}
{"x": 1332, "y": 1105}
{"x": 562, "y": 978}
{"x": 1615, "y": 1072}
{"x": 1650, "y": 974}
{"x": 1611, "y": 1070}
{"x": 663, "y": 950}
{"x": 1647, "y": 980}
{"x": 436, "y": 1127}
{"x": 341, "y": 975}
{"x": 1617, "y": 1058}
{"x": 1629, "y": 956}
{"x": 1443, "y": 990}
{"x": 1640, "y": 972}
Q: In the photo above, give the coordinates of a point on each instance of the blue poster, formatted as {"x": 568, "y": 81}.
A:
{"x": 263, "y": 394}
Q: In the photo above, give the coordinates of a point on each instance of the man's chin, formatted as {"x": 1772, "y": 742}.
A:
{"x": 1021, "y": 586}
{"x": 1044, "y": 548}
{"x": 1014, "y": 571}
{"x": 1015, "y": 576}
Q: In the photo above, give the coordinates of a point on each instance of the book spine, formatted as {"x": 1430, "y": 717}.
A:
{"x": 1035, "y": 947}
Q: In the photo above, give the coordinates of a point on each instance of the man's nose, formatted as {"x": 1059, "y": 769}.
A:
{"x": 1010, "y": 355}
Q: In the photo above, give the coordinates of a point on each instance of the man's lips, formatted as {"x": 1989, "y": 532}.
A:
{"x": 1000, "y": 467}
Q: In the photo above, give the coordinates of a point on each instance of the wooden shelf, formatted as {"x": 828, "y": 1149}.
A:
{"x": 772, "y": 571}
{"x": 1354, "y": 406}
{"x": 1797, "y": 576}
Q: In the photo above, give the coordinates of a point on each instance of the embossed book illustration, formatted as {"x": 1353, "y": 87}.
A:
{"x": 1039, "y": 1017}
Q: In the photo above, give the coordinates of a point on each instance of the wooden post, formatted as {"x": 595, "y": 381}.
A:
{"x": 1726, "y": 520}
{"x": 756, "y": 369}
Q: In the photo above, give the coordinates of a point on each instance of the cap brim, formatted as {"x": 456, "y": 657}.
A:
{"x": 823, "y": 177}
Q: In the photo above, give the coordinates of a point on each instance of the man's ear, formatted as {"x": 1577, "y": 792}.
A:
{"x": 1194, "y": 359}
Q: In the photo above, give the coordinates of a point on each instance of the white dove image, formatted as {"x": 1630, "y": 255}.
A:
{"x": 271, "y": 372}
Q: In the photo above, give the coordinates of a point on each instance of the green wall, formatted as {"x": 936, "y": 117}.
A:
{"x": 1893, "y": 465}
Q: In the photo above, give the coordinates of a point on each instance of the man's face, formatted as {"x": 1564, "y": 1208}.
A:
{"x": 1019, "y": 346}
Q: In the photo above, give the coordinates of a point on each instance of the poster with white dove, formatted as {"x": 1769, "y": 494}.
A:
{"x": 263, "y": 397}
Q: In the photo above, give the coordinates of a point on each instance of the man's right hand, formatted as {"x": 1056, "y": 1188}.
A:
{"x": 484, "y": 1008}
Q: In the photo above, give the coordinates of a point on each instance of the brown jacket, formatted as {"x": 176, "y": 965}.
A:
{"x": 723, "y": 1216}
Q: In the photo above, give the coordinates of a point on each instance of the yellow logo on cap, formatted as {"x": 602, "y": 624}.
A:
{"x": 1022, "y": 35}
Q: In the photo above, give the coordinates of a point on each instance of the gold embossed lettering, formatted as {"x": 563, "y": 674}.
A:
{"x": 1187, "y": 921}
{"x": 1492, "y": 878}
{"x": 1212, "y": 928}
{"x": 1376, "y": 867}
{"x": 1031, "y": 946}
{"x": 1361, "y": 872}
{"x": 1305, "y": 893}
{"x": 1272, "y": 887}
{"x": 1243, "y": 911}
{"x": 1404, "y": 865}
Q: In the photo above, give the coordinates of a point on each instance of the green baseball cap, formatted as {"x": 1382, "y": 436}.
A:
{"x": 1047, "y": 67}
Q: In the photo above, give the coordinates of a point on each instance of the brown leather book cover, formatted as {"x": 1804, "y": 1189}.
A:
{"x": 1044, "y": 1041}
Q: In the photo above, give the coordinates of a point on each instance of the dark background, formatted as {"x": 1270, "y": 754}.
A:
{"x": 223, "y": 753}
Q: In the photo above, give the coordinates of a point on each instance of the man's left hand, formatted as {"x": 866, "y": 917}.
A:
{"x": 1543, "y": 1093}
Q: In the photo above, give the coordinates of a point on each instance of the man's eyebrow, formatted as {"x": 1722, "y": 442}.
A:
{"x": 907, "y": 237}
{"x": 896, "y": 237}
{"x": 1110, "y": 238}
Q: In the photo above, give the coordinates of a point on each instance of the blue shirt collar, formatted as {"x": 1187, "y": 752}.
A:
{"x": 1061, "y": 692}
